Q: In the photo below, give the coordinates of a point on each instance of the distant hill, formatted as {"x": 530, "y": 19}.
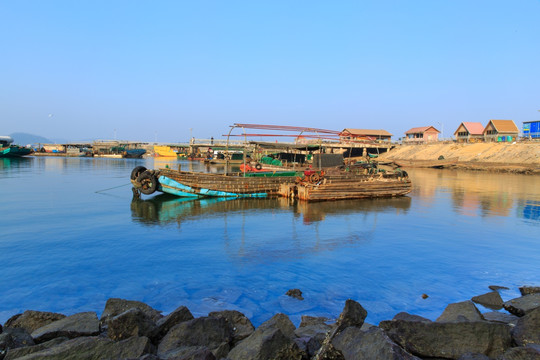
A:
{"x": 25, "y": 139}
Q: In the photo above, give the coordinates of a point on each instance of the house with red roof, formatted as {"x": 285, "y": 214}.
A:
{"x": 469, "y": 132}
{"x": 364, "y": 135}
{"x": 501, "y": 131}
{"x": 422, "y": 134}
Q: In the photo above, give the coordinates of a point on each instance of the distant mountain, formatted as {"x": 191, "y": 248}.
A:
{"x": 25, "y": 139}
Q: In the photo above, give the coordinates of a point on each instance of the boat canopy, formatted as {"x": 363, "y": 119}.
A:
{"x": 6, "y": 140}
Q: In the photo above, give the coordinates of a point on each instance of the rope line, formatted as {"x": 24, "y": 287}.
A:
{"x": 113, "y": 188}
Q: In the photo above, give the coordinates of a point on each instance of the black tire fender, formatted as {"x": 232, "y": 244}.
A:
{"x": 136, "y": 172}
{"x": 148, "y": 182}
{"x": 258, "y": 166}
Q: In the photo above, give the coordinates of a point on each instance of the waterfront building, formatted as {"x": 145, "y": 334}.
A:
{"x": 531, "y": 129}
{"x": 422, "y": 134}
{"x": 364, "y": 135}
{"x": 469, "y": 132}
{"x": 501, "y": 131}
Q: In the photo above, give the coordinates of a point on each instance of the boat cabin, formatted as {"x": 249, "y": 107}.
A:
{"x": 5, "y": 141}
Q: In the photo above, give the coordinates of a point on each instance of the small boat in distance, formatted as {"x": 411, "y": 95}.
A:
{"x": 8, "y": 150}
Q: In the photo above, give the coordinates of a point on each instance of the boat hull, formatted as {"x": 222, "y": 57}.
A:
{"x": 14, "y": 151}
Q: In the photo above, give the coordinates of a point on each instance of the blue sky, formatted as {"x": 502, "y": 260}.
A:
{"x": 147, "y": 70}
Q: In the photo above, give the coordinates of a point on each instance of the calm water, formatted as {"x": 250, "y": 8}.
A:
{"x": 67, "y": 245}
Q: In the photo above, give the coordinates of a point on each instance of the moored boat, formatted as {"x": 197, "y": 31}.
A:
{"x": 9, "y": 150}
{"x": 133, "y": 153}
{"x": 195, "y": 184}
{"x": 309, "y": 185}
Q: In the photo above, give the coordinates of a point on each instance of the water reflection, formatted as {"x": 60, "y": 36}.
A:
{"x": 166, "y": 208}
{"x": 479, "y": 193}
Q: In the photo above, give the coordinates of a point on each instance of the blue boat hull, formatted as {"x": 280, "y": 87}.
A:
{"x": 170, "y": 186}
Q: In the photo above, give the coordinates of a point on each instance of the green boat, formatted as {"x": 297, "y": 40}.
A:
{"x": 8, "y": 150}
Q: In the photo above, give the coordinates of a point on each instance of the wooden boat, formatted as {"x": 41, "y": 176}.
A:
{"x": 435, "y": 164}
{"x": 309, "y": 185}
{"x": 133, "y": 153}
{"x": 341, "y": 186}
{"x": 8, "y": 150}
{"x": 195, "y": 184}
{"x": 164, "y": 151}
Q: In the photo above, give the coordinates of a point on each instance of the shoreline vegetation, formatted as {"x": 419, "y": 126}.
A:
{"x": 130, "y": 329}
{"x": 518, "y": 157}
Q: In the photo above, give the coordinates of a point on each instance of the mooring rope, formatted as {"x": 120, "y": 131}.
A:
{"x": 113, "y": 188}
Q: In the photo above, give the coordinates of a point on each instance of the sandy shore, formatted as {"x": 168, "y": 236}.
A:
{"x": 521, "y": 157}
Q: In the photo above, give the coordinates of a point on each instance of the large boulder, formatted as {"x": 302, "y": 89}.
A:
{"x": 31, "y": 320}
{"x": 116, "y": 306}
{"x": 281, "y": 322}
{"x": 240, "y": 324}
{"x": 81, "y": 324}
{"x": 409, "y": 317}
{"x": 353, "y": 315}
{"x": 527, "y": 329}
{"x": 207, "y": 332}
{"x": 22, "y": 351}
{"x": 461, "y": 311}
{"x": 190, "y": 353}
{"x": 12, "y": 338}
{"x": 502, "y": 317}
{"x": 266, "y": 343}
{"x": 178, "y": 316}
{"x": 449, "y": 339}
{"x": 491, "y": 300}
{"x": 94, "y": 347}
{"x": 311, "y": 334}
{"x": 132, "y": 322}
{"x": 527, "y": 290}
{"x": 354, "y": 344}
{"x": 523, "y": 305}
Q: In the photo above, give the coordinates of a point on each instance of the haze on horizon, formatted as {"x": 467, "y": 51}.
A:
{"x": 169, "y": 70}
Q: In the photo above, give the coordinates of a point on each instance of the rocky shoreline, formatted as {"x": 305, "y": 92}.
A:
{"x": 130, "y": 329}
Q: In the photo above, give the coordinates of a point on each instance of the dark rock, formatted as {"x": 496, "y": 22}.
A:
{"x": 22, "y": 351}
{"x": 491, "y": 300}
{"x": 209, "y": 332}
{"x": 115, "y": 306}
{"x": 449, "y": 339}
{"x": 408, "y": 317}
{"x": 354, "y": 343}
{"x": 425, "y": 296}
{"x": 12, "y": 338}
{"x": 281, "y": 322}
{"x": 523, "y": 305}
{"x": 312, "y": 336}
{"x": 353, "y": 314}
{"x": 497, "y": 287}
{"x": 241, "y": 325}
{"x": 312, "y": 320}
{"x": 527, "y": 290}
{"x": 191, "y": 353}
{"x": 501, "y": 317}
{"x": 31, "y": 320}
{"x": 527, "y": 329}
{"x": 178, "y": 316}
{"x": 132, "y": 322}
{"x": 266, "y": 343}
{"x": 295, "y": 293}
{"x": 473, "y": 356}
{"x": 95, "y": 347}
{"x": 81, "y": 324}
{"x": 529, "y": 352}
{"x": 461, "y": 311}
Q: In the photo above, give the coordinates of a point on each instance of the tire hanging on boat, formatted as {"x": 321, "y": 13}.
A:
{"x": 148, "y": 182}
{"x": 138, "y": 170}
{"x": 258, "y": 166}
